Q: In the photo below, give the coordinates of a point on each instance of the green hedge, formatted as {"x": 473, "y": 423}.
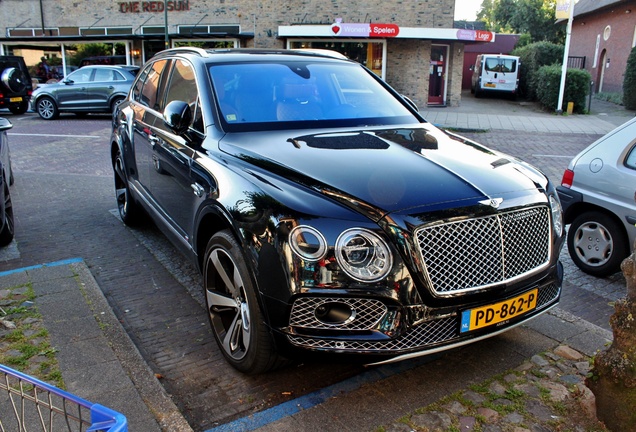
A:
{"x": 629, "y": 84}
{"x": 533, "y": 57}
{"x": 577, "y": 87}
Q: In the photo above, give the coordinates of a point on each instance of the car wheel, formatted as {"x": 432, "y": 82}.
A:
{"x": 14, "y": 79}
{"x": 235, "y": 316}
{"x": 47, "y": 109}
{"x": 115, "y": 103}
{"x": 19, "y": 109}
{"x": 597, "y": 244}
{"x": 129, "y": 210}
{"x": 6, "y": 235}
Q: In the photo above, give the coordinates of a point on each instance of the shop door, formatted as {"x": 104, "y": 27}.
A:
{"x": 437, "y": 75}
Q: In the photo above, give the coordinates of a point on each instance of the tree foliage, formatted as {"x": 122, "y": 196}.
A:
{"x": 629, "y": 84}
{"x": 535, "y": 17}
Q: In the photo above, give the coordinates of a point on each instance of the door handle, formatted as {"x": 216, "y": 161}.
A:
{"x": 198, "y": 189}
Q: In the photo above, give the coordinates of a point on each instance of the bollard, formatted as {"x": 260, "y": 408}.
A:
{"x": 570, "y": 108}
{"x": 589, "y": 101}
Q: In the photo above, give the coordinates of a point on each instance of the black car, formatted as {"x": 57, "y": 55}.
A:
{"x": 15, "y": 84}
{"x": 325, "y": 214}
{"x": 6, "y": 180}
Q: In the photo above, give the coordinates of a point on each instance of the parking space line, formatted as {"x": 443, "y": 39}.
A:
{"x": 39, "y": 266}
{"x": 56, "y": 136}
{"x": 311, "y": 400}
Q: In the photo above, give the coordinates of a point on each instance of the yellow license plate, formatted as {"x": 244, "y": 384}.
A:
{"x": 15, "y": 99}
{"x": 490, "y": 85}
{"x": 474, "y": 319}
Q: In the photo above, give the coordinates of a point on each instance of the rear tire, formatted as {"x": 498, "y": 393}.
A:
{"x": 19, "y": 109}
{"x": 597, "y": 244}
{"x": 129, "y": 211}
{"x": 115, "y": 103}
{"x": 8, "y": 230}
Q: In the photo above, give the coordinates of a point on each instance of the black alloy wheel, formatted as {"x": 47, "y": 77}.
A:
{"x": 235, "y": 316}
{"x": 8, "y": 230}
{"x": 129, "y": 210}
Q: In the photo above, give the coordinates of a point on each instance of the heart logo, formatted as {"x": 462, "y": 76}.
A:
{"x": 335, "y": 29}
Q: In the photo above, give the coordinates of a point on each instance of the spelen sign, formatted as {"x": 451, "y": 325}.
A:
{"x": 364, "y": 29}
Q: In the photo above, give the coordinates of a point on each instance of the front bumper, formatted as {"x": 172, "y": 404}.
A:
{"x": 432, "y": 334}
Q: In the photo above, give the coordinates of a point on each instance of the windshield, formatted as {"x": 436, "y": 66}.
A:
{"x": 501, "y": 65}
{"x": 259, "y": 96}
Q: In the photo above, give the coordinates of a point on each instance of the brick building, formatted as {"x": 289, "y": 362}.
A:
{"x": 410, "y": 43}
{"x": 604, "y": 33}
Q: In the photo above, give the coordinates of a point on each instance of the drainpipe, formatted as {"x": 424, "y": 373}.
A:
{"x": 42, "y": 16}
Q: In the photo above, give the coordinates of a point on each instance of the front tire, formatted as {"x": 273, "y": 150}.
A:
{"x": 8, "y": 230}
{"x": 233, "y": 309}
{"x": 597, "y": 244}
{"x": 47, "y": 109}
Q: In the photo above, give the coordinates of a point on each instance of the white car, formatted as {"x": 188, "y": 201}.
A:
{"x": 598, "y": 194}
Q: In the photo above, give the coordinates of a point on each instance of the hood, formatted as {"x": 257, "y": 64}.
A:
{"x": 388, "y": 169}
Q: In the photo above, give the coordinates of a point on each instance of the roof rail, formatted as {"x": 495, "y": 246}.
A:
{"x": 195, "y": 50}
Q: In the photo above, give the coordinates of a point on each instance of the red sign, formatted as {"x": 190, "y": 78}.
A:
{"x": 383, "y": 30}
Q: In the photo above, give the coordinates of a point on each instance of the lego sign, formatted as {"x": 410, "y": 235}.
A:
{"x": 364, "y": 29}
{"x": 153, "y": 6}
{"x": 475, "y": 35}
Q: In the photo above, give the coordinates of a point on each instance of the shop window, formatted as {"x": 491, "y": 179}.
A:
{"x": 369, "y": 54}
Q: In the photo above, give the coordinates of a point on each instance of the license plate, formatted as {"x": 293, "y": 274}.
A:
{"x": 474, "y": 319}
{"x": 15, "y": 99}
{"x": 490, "y": 85}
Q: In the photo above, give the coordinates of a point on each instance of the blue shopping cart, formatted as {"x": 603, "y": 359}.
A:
{"x": 27, "y": 403}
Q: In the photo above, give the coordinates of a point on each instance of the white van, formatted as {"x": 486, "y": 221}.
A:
{"x": 495, "y": 73}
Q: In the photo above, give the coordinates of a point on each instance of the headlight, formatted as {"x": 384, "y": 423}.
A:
{"x": 557, "y": 215}
{"x": 363, "y": 255}
{"x": 308, "y": 243}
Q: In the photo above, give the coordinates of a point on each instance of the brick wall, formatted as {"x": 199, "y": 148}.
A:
{"x": 585, "y": 31}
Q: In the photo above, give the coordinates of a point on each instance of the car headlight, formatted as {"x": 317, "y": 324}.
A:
{"x": 308, "y": 243}
{"x": 363, "y": 255}
{"x": 557, "y": 215}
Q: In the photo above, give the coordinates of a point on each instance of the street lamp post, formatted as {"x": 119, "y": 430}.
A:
{"x": 165, "y": 20}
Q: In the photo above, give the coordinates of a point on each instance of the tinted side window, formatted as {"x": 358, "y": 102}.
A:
{"x": 81, "y": 75}
{"x": 103, "y": 75}
{"x": 150, "y": 89}
{"x": 183, "y": 87}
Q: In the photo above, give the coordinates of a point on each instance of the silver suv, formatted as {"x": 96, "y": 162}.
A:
{"x": 598, "y": 194}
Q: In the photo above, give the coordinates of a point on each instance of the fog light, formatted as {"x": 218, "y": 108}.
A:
{"x": 334, "y": 313}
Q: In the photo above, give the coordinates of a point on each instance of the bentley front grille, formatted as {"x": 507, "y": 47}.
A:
{"x": 470, "y": 254}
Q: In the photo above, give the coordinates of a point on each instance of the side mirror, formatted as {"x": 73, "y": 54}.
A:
{"x": 471, "y": 68}
{"x": 177, "y": 116}
{"x": 68, "y": 81}
{"x": 5, "y": 124}
{"x": 410, "y": 102}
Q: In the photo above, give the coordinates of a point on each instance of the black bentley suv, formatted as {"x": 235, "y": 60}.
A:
{"x": 325, "y": 214}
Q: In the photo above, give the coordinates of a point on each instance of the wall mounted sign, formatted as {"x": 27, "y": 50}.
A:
{"x": 475, "y": 35}
{"x": 364, "y": 29}
{"x": 153, "y": 6}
